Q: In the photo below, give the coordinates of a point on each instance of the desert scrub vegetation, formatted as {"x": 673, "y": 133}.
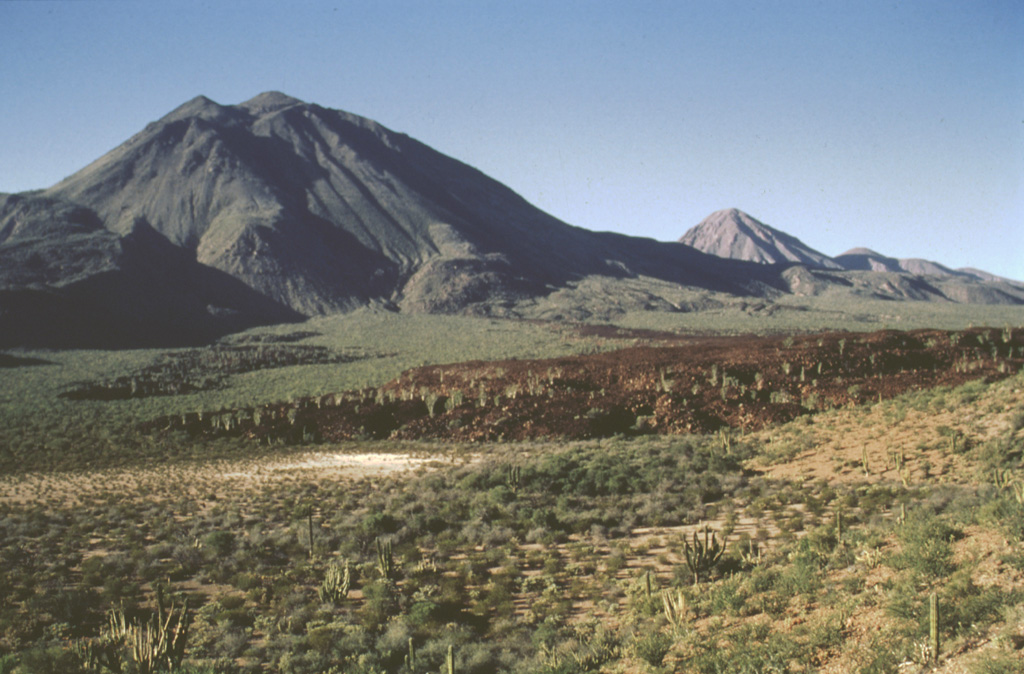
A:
{"x": 551, "y": 556}
{"x": 450, "y": 558}
{"x": 530, "y": 557}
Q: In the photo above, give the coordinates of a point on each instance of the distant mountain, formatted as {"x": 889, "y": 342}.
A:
{"x": 865, "y": 259}
{"x": 982, "y": 275}
{"x": 735, "y": 235}
{"x": 311, "y": 211}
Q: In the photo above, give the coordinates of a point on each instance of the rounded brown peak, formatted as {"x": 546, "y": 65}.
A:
{"x": 862, "y": 251}
{"x": 270, "y": 101}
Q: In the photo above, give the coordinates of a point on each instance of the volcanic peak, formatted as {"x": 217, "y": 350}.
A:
{"x": 731, "y": 233}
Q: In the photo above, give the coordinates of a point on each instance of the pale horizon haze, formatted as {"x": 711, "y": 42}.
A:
{"x": 897, "y": 126}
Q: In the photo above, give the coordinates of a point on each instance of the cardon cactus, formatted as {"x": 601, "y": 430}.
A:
{"x": 385, "y": 561}
{"x": 702, "y": 556}
{"x": 336, "y": 584}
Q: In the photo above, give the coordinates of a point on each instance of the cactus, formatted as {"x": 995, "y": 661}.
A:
{"x": 155, "y": 645}
{"x": 702, "y": 556}
{"x": 752, "y": 555}
{"x": 513, "y": 476}
{"x": 385, "y": 562}
{"x": 666, "y": 384}
{"x": 1018, "y": 491}
{"x": 410, "y": 657}
{"x": 309, "y": 516}
{"x": 336, "y": 584}
{"x": 450, "y": 660}
{"x": 726, "y": 438}
{"x": 674, "y": 606}
{"x": 933, "y": 626}
{"x": 454, "y": 400}
{"x": 1001, "y": 478}
{"x": 430, "y": 400}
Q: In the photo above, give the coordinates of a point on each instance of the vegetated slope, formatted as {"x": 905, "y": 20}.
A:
{"x": 965, "y": 286}
{"x": 701, "y": 385}
{"x": 733, "y": 234}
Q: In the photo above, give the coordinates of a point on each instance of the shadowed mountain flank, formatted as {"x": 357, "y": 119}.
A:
{"x": 325, "y": 211}
{"x": 735, "y": 235}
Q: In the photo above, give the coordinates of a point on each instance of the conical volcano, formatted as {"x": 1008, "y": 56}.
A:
{"x": 733, "y": 234}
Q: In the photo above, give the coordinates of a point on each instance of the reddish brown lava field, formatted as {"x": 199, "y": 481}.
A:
{"x": 696, "y": 384}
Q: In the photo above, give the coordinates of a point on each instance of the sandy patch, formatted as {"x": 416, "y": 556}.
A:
{"x": 157, "y": 482}
{"x": 361, "y": 465}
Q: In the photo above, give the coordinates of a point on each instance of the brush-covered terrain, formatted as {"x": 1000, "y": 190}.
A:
{"x": 405, "y": 494}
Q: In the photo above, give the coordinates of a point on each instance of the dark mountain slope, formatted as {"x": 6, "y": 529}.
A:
{"x": 66, "y": 282}
{"x": 324, "y": 211}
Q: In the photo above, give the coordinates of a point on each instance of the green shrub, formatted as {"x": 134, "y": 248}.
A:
{"x": 927, "y": 545}
{"x": 653, "y": 647}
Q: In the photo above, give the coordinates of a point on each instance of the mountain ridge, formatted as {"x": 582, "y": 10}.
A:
{"x": 290, "y": 210}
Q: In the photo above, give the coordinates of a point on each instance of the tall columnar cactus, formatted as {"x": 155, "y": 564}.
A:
{"x": 702, "y": 556}
{"x": 309, "y": 519}
{"x": 752, "y": 555}
{"x": 410, "y": 656}
{"x": 450, "y": 660}
{"x": 513, "y": 476}
{"x": 385, "y": 561}
{"x": 933, "y": 626}
{"x": 1018, "y": 491}
{"x": 336, "y": 584}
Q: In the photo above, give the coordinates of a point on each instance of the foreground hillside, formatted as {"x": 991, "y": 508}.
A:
{"x": 809, "y": 545}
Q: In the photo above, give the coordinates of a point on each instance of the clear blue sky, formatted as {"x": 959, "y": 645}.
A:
{"x": 894, "y": 125}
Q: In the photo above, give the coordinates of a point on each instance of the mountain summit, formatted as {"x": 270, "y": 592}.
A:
{"x": 733, "y": 234}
